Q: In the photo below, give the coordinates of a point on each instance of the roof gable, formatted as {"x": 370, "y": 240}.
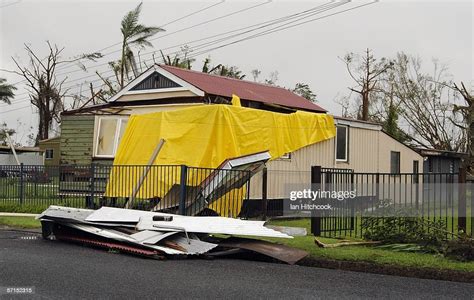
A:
{"x": 155, "y": 81}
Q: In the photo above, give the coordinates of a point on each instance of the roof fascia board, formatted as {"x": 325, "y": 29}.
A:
{"x": 356, "y": 124}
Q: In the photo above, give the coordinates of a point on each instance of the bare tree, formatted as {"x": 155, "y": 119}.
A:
{"x": 366, "y": 71}
{"x": 467, "y": 124}
{"x": 425, "y": 104}
{"x": 46, "y": 92}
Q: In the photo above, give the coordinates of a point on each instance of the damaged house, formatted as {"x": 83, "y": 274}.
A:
{"x": 93, "y": 134}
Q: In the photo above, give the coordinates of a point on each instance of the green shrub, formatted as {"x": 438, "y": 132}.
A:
{"x": 461, "y": 248}
{"x": 405, "y": 230}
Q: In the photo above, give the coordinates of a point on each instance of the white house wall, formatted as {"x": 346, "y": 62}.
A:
{"x": 29, "y": 158}
{"x": 369, "y": 151}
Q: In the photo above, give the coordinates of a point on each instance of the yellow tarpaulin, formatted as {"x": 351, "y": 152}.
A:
{"x": 206, "y": 135}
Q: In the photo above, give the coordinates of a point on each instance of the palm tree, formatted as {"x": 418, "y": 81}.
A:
{"x": 6, "y": 91}
{"x": 134, "y": 34}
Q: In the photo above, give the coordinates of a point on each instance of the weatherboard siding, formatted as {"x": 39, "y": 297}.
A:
{"x": 77, "y": 137}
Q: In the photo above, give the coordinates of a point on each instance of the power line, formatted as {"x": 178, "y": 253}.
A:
{"x": 320, "y": 7}
{"x": 193, "y": 26}
{"x": 261, "y": 25}
{"x": 14, "y": 109}
{"x": 280, "y": 28}
{"x": 66, "y": 66}
{"x": 234, "y": 42}
{"x": 198, "y": 40}
{"x": 10, "y": 4}
{"x": 284, "y": 28}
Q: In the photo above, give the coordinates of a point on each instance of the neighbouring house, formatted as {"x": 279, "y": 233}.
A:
{"x": 359, "y": 145}
{"x": 92, "y": 134}
{"x": 439, "y": 161}
{"x": 26, "y": 156}
{"x": 50, "y": 148}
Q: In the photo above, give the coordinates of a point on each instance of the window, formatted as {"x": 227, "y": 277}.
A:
{"x": 394, "y": 162}
{"x": 416, "y": 168}
{"x": 49, "y": 154}
{"x": 109, "y": 134}
{"x": 430, "y": 165}
{"x": 451, "y": 167}
{"x": 341, "y": 143}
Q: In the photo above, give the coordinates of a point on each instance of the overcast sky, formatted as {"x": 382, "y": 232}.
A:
{"x": 306, "y": 53}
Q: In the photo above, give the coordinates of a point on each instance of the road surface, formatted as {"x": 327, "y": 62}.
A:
{"x": 56, "y": 270}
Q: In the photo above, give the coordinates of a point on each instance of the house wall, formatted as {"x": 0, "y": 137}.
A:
{"x": 441, "y": 164}
{"x": 77, "y": 133}
{"x": 27, "y": 158}
{"x": 53, "y": 144}
{"x": 157, "y": 95}
{"x": 369, "y": 151}
{"x": 407, "y": 155}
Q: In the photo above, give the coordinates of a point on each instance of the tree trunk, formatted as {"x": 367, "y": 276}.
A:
{"x": 468, "y": 162}
{"x": 365, "y": 106}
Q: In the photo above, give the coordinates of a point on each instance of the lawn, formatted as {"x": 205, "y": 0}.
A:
{"x": 20, "y": 222}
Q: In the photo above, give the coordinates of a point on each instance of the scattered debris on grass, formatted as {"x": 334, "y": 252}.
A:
{"x": 344, "y": 243}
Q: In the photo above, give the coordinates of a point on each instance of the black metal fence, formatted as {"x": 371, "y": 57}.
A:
{"x": 445, "y": 198}
{"x": 174, "y": 189}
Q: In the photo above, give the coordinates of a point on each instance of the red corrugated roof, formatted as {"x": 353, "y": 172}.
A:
{"x": 224, "y": 86}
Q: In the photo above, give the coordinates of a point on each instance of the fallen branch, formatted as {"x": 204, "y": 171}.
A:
{"x": 341, "y": 244}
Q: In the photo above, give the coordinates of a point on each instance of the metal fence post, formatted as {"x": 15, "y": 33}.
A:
{"x": 315, "y": 216}
{"x": 182, "y": 193}
{"x": 462, "y": 200}
{"x": 471, "y": 193}
{"x": 90, "y": 201}
{"x": 22, "y": 184}
{"x": 264, "y": 194}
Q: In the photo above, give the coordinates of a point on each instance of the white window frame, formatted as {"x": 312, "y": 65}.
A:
{"x": 120, "y": 121}
{"x": 347, "y": 145}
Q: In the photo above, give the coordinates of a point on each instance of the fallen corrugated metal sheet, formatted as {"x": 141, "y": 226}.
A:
{"x": 293, "y": 231}
{"x": 277, "y": 251}
{"x": 74, "y": 215}
{"x": 151, "y": 237}
{"x": 212, "y": 225}
{"x": 155, "y": 234}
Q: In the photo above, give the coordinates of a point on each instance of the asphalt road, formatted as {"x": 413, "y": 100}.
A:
{"x": 65, "y": 271}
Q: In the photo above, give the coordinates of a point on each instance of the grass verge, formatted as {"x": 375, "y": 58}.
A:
{"x": 368, "y": 254}
{"x": 20, "y": 222}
